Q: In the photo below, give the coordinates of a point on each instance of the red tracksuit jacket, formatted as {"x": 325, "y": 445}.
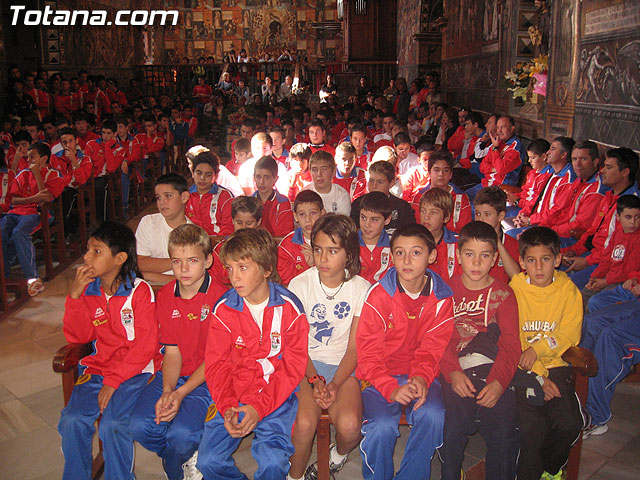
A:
{"x": 106, "y": 157}
{"x": 291, "y": 262}
{"x": 355, "y": 184}
{"x": 277, "y": 216}
{"x": 73, "y": 177}
{"x": 123, "y": 329}
{"x": 212, "y": 211}
{"x": 620, "y": 258}
{"x": 375, "y": 263}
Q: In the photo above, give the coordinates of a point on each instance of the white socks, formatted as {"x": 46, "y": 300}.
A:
{"x": 335, "y": 457}
{"x": 289, "y": 477}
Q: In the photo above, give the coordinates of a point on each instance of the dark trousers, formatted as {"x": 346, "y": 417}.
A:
{"x": 101, "y": 198}
{"x": 71, "y": 220}
{"x": 496, "y": 425}
{"x": 547, "y": 432}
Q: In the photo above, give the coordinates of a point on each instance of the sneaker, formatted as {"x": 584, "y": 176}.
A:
{"x": 595, "y": 430}
{"x": 35, "y": 286}
{"x": 548, "y": 476}
{"x": 336, "y": 467}
{"x": 189, "y": 469}
{"x": 312, "y": 470}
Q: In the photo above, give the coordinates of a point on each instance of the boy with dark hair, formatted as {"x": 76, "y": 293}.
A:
{"x": 440, "y": 174}
{"x": 152, "y": 235}
{"x": 252, "y": 381}
{"x": 31, "y": 186}
{"x": 405, "y": 326}
{"x": 619, "y": 259}
{"x": 279, "y": 152}
{"x": 407, "y": 160}
{"x": 168, "y": 418}
{"x": 132, "y": 154}
{"x": 80, "y": 119}
{"x": 209, "y": 204}
{"x": 526, "y": 200}
{"x": 335, "y": 198}
{"x": 550, "y": 312}
{"x": 382, "y": 175}
{"x": 435, "y": 211}
{"x": 241, "y": 151}
{"x": 246, "y": 212}
{"x": 375, "y": 246}
{"x": 480, "y": 360}
{"x": 490, "y": 205}
{"x": 299, "y": 174}
{"x": 317, "y": 131}
{"x": 358, "y": 138}
{"x": 385, "y": 139}
{"x": 150, "y": 141}
{"x": 17, "y": 159}
{"x": 294, "y": 251}
{"x": 277, "y": 217}
{"x": 349, "y": 176}
{"x": 419, "y": 177}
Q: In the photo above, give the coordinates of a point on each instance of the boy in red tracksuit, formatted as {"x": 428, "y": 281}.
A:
{"x": 132, "y": 152}
{"x": 256, "y": 356}
{"x": 84, "y": 133}
{"x": 375, "y": 249}
{"x": 621, "y": 257}
{"x": 436, "y": 206}
{"x": 299, "y": 175}
{"x": 350, "y": 177}
{"x": 246, "y": 212}
{"x": 480, "y": 360}
{"x": 405, "y": 326}
{"x": 537, "y": 178}
{"x": 192, "y": 121}
{"x": 294, "y": 251}
{"x": 150, "y": 141}
{"x": 317, "y": 137}
{"x": 419, "y": 177}
{"x": 209, "y": 204}
{"x": 110, "y": 306}
{"x": 277, "y": 217}
{"x": 491, "y": 205}
{"x": 33, "y": 185}
{"x": 358, "y": 138}
{"x": 107, "y": 157}
{"x": 440, "y": 174}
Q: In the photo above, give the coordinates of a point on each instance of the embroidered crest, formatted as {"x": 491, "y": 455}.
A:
{"x": 126, "y": 315}
{"x": 204, "y": 311}
{"x": 618, "y": 253}
{"x": 191, "y": 316}
{"x": 384, "y": 259}
{"x": 275, "y": 341}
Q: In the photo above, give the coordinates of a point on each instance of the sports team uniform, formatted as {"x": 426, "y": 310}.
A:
{"x": 461, "y": 207}
{"x": 277, "y": 217}
{"x": 212, "y": 211}
{"x": 375, "y": 262}
{"x": 400, "y": 337}
{"x": 355, "y": 183}
{"x": 446, "y": 264}
{"x": 183, "y": 323}
{"x": 124, "y": 332}
{"x": 255, "y": 358}
{"x": 291, "y": 260}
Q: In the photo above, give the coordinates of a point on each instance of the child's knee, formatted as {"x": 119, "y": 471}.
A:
{"x": 349, "y": 425}
{"x": 306, "y": 423}
{"x": 179, "y": 436}
{"x": 140, "y": 426}
{"x": 110, "y": 426}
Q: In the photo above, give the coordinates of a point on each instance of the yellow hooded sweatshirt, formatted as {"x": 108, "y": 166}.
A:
{"x": 550, "y": 318}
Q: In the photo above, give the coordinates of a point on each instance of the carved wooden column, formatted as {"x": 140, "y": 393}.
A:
{"x": 563, "y": 68}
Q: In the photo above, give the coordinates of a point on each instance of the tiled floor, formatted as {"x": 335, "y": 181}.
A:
{"x": 31, "y": 400}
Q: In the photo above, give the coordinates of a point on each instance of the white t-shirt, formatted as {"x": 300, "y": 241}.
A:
{"x": 257, "y": 311}
{"x": 408, "y": 164}
{"x": 152, "y": 237}
{"x": 246, "y": 171}
{"x": 329, "y": 320}
{"x": 336, "y": 201}
{"x": 229, "y": 181}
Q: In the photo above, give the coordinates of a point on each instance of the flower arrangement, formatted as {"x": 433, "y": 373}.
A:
{"x": 518, "y": 79}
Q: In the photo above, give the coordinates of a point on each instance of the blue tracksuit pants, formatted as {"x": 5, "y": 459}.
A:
{"x": 613, "y": 335}
{"x": 77, "y": 426}
{"x": 380, "y": 432}
{"x": 174, "y": 441}
{"x": 271, "y": 446}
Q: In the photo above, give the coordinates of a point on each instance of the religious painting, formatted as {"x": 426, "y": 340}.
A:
{"x": 490, "y": 21}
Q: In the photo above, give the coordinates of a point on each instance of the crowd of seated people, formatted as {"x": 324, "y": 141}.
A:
{"x": 522, "y": 240}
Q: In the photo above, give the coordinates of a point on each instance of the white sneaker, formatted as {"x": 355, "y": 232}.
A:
{"x": 190, "y": 472}
{"x": 595, "y": 430}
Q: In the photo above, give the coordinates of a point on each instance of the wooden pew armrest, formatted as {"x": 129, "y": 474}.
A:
{"x": 581, "y": 359}
{"x": 68, "y": 357}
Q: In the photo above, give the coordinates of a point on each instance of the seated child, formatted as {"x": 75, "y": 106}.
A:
{"x": 419, "y": 177}
{"x": 525, "y": 203}
{"x": 6, "y": 179}
{"x": 251, "y": 380}
{"x": 294, "y": 251}
{"x": 407, "y": 160}
{"x": 348, "y": 176}
{"x": 110, "y": 305}
{"x": 279, "y": 152}
{"x": 382, "y": 175}
{"x": 209, "y": 204}
{"x": 277, "y": 217}
{"x": 375, "y": 247}
{"x": 550, "y": 312}
{"x": 480, "y": 361}
{"x": 612, "y": 335}
{"x": 404, "y": 328}
{"x": 261, "y": 146}
{"x": 30, "y": 187}
{"x": 335, "y": 198}
{"x": 152, "y": 235}
{"x": 299, "y": 175}
{"x": 169, "y": 416}
{"x": 436, "y": 206}
{"x": 490, "y": 206}
{"x": 440, "y": 173}
{"x": 317, "y": 137}
{"x": 150, "y": 142}
{"x": 619, "y": 259}
{"x": 246, "y": 212}
{"x": 332, "y": 292}
{"x": 358, "y": 138}
{"x": 241, "y": 150}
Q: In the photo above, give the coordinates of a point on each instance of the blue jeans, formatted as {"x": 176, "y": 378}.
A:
{"x": 16, "y": 242}
{"x": 177, "y": 440}
{"x": 77, "y": 426}
{"x": 271, "y": 445}
{"x": 380, "y": 432}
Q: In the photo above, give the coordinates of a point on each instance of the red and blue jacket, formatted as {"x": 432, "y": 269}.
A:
{"x": 355, "y": 183}
{"x": 291, "y": 262}
{"x": 277, "y": 216}
{"x": 123, "y": 329}
{"x": 375, "y": 263}
{"x": 211, "y": 211}
{"x": 389, "y": 342}
{"x": 251, "y": 366}
{"x": 461, "y": 207}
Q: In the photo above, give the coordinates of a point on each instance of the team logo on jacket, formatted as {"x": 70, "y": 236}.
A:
{"x": 390, "y": 321}
{"x": 100, "y": 317}
{"x": 191, "y": 316}
{"x": 176, "y": 313}
{"x": 211, "y": 412}
{"x": 275, "y": 341}
{"x": 240, "y": 342}
{"x": 618, "y": 253}
{"x": 126, "y": 315}
{"x": 204, "y": 311}
{"x": 384, "y": 259}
